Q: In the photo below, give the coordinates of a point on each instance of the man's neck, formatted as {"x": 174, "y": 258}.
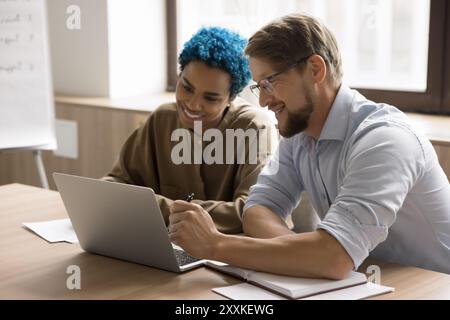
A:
{"x": 322, "y": 107}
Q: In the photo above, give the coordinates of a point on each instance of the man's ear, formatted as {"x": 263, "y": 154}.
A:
{"x": 318, "y": 67}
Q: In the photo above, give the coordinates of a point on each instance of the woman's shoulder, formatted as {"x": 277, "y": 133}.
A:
{"x": 164, "y": 116}
{"x": 165, "y": 112}
{"x": 248, "y": 115}
{"x": 166, "y": 109}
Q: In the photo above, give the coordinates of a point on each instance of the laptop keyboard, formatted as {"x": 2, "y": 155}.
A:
{"x": 183, "y": 258}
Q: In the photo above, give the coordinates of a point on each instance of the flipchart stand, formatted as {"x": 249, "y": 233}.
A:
{"x": 37, "y": 157}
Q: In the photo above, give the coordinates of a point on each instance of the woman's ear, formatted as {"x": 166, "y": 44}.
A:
{"x": 319, "y": 68}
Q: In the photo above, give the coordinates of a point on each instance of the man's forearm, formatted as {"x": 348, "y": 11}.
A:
{"x": 261, "y": 222}
{"x": 314, "y": 254}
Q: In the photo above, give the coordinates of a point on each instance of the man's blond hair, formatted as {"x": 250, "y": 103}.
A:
{"x": 295, "y": 36}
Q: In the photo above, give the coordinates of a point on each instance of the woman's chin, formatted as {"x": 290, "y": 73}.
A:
{"x": 186, "y": 119}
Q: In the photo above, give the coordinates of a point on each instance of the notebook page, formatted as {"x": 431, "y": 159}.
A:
{"x": 294, "y": 287}
{"x": 359, "y": 292}
{"x": 226, "y": 268}
{"x": 247, "y": 291}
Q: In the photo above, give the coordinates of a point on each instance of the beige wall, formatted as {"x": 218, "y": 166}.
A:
{"x": 101, "y": 133}
{"x": 119, "y": 51}
{"x": 80, "y": 58}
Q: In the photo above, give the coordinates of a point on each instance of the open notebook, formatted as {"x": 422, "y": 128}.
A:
{"x": 291, "y": 287}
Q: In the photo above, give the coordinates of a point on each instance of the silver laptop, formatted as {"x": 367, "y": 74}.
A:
{"x": 121, "y": 221}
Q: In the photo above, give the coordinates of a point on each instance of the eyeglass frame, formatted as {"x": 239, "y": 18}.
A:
{"x": 256, "y": 88}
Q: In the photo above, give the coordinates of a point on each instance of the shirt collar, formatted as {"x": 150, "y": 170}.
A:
{"x": 336, "y": 124}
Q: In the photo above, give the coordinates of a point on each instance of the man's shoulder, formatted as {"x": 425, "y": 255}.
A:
{"x": 384, "y": 116}
{"x": 390, "y": 129}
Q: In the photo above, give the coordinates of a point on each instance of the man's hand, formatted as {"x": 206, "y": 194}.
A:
{"x": 192, "y": 228}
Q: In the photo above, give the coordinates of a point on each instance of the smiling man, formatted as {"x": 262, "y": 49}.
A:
{"x": 375, "y": 182}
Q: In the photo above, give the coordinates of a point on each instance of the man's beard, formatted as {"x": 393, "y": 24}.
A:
{"x": 298, "y": 121}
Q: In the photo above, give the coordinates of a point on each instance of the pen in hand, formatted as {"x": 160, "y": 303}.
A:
{"x": 190, "y": 197}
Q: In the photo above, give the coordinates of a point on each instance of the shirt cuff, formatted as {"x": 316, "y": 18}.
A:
{"x": 263, "y": 198}
{"x": 356, "y": 238}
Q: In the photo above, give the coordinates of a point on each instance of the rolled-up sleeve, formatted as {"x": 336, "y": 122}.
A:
{"x": 380, "y": 169}
{"x": 278, "y": 186}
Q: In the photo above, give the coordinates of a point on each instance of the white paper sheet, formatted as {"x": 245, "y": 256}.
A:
{"x": 247, "y": 291}
{"x": 362, "y": 291}
{"x": 54, "y": 230}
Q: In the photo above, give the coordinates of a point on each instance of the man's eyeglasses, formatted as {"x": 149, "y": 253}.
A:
{"x": 266, "y": 83}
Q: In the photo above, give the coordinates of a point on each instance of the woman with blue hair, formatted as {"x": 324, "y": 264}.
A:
{"x": 214, "y": 70}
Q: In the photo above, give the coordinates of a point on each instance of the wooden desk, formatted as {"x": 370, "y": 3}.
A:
{"x": 31, "y": 268}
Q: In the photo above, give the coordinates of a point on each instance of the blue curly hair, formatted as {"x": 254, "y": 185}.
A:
{"x": 219, "y": 48}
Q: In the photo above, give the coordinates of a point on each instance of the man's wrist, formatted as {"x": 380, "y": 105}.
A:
{"x": 218, "y": 247}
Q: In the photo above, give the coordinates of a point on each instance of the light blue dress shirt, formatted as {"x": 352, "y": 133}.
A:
{"x": 375, "y": 182}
